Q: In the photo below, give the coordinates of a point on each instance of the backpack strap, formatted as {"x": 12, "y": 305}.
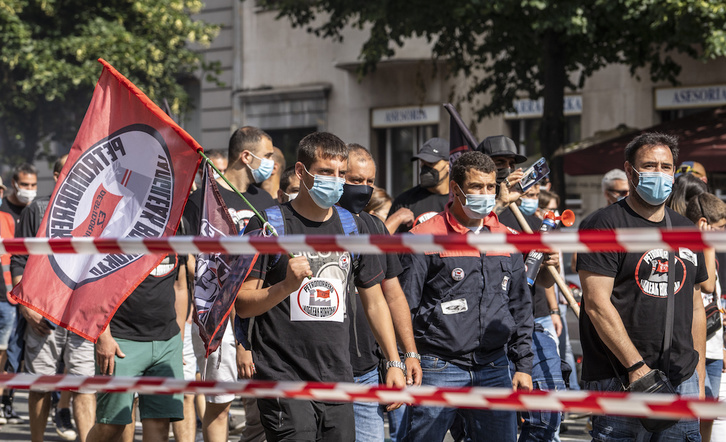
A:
{"x": 349, "y": 225}
{"x": 275, "y": 218}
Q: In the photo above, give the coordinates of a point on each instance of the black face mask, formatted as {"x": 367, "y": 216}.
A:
{"x": 429, "y": 177}
{"x": 355, "y": 197}
{"x": 502, "y": 174}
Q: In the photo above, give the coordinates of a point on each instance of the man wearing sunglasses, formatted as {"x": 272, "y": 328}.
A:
{"x": 615, "y": 186}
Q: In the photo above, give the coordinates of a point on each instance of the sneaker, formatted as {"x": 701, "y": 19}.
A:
{"x": 3, "y": 421}
{"x": 11, "y": 416}
{"x": 63, "y": 424}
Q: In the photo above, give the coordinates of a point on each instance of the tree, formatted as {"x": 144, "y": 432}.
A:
{"x": 48, "y": 61}
{"x": 511, "y": 49}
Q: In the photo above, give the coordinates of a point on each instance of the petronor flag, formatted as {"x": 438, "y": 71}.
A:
{"x": 460, "y": 138}
{"x": 128, "y": 174}
{"x": 218, "y": 276}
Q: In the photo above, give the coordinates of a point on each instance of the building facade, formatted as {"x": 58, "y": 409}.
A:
{"x": 290, "y": 83}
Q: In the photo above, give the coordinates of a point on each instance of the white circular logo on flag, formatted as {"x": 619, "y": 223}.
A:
{"x": 120, "y": 187}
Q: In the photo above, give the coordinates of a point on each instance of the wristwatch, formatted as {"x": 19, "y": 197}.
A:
{"x": 413, "y": 355}
{"x": 397, "y": 364}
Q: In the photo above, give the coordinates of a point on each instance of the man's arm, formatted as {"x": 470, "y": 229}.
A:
{"x": 597, "y": 290}
{"x": 106, "y": 349}
{"x": 181, "y": 303}
{"x": 698, "y": 330}
{"x": 401, "y": 317}
{"x": 519, "y": 347}
{"x": 253, "y": 300}
{"x": 379, "y": 318}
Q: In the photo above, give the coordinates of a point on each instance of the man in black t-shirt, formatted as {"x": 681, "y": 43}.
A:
{"x": 300, "y": 305}
{"x": 431, "y": 195}
{"x": 625, "y": 296}
{"x": 249, "y": 163}
{"x": 359, "y": 180}
{"x": 143, "y": 339}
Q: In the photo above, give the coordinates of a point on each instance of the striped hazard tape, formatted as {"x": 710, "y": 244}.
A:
{"x": 619, "y": 240}
{"x": 625, "y": 404}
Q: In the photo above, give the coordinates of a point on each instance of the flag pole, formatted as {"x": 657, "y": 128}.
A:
{"x": 258, "y": 214}
{"x": 459, "y": 122}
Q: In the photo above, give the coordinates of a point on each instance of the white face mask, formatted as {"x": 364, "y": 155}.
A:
{"x": 25, "y": 196}
{"x": 291, "y": 196}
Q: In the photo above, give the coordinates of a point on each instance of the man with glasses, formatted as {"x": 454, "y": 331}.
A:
{"x": 615, "y": 186}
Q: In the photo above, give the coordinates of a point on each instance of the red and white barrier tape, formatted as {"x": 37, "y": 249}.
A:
{"x": 625, "y": 404}
{"x": 620, "y": 240}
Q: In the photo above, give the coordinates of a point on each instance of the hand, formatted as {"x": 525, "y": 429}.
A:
{"x": 557, "y": 322}
{"x": 395, "y": 378}
{"x": 508, "y": 193}
{"x": 414, "y": 373}
{"x": 36, "y": 320}
{"x": 522, "y": 382}
{"x": 298, "y": 268}
{"x": 552, "y": 258}
{"x": 639, "y": 373}
{"x": 245, "y": 366}
{"x": 106, "y": 349}
{"x": 403, "y": 216}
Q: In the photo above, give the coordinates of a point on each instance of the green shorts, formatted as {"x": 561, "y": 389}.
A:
{"x": 155, "y": 358}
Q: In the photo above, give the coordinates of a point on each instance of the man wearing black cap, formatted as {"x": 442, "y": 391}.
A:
{"x": 546, "y": 371}
{"x": 431, "y": 195}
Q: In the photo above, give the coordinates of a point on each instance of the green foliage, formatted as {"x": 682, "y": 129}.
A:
{"x": 49, "y": 51}
{"x": 501, "y": 43}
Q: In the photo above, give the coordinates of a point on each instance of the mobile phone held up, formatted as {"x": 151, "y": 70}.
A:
{"x": 534, "y": 174}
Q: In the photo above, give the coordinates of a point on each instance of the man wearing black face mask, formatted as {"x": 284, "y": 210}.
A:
{"x": 364, "y": 354}
{"x": 431, "y": 195}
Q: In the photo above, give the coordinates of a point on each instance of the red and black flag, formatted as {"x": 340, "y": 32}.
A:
{"x": 218, "y": 276}
{"x": 128, "y": 175}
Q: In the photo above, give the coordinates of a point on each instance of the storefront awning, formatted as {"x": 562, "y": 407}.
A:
{"x": 701, "y": 137}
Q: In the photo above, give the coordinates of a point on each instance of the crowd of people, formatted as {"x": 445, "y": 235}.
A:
{"x": 441, "y": 319}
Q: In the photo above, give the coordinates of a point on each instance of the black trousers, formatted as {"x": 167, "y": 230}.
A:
{"x": 299, "y": 420}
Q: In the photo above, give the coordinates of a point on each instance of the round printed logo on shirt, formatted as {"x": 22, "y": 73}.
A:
{"x": 651, "y": 273}
{"x": 457, "y": 274}
{"x": 344, "y": 261}
{"x": 318, "y": 299}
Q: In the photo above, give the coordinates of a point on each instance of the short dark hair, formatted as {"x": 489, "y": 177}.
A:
{"x": 320, "y": 145}
{"x": 59, "y": 163}
{"x": 545, "y": 196}
{"x": 245, "y": 138}
{"x": 706, "y": 205}
{"x": 26, "y": 168}
{"x": 285, "y": 178}
{"x": 215, "y": 153}
{"x": 357, "y": 149}
{"x": 471, "y": 160}
{"x": 651, "y": 139}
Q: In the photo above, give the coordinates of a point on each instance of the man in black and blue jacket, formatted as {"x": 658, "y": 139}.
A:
{"x": 472, "y": 312}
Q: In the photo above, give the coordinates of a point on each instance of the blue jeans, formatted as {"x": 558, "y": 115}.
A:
{"x": 547, "y": 376}
{"x": 7, "y": 323}
{"x": 713, "y": 377}
{"x": 368, "y": 415}
{"x": 621, "y": 428}
{"x": 395, "y": 420}
{"x": 431, "y": 423}
{"x": 566, "y": 349}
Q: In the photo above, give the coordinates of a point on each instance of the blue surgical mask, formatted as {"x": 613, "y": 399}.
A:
{"x": 478, "y": 206}
{"x": 529, "y": 206}
{"x": 654, "y": 187}
{"x": 326, "y": 190}
{"x": 264, "y": 171}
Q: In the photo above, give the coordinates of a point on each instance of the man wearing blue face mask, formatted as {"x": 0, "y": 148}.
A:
{"x": 472, "y": 312}
{"x": 301, "y": 306}
{"x": 249, "y": 153}
{"x": 643, "y": 311}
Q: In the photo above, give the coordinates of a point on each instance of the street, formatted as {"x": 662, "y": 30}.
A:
{"x": 11, "y": 433}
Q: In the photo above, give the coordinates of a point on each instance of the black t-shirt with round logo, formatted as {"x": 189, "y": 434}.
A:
{"x": 640, "y": 297}
{"x": 422, "y": 203}
{"x": 314, "y": 348}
